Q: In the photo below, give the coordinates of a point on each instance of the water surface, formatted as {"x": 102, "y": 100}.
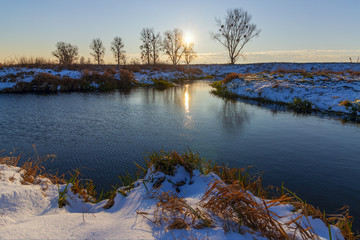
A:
{"x": 104, "y": 133}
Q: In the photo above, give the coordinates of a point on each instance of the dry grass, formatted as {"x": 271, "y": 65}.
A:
{"x": 166, "y": 162}
{"x": 236, "y": 207}
{"x": 230, "y": 77}
{"x": 38, "y": 62}
{"x": 127, "y": 77}
{"x": 85, "y": 188}
{"x": 233, "y": 193}
{"x": 343, "y": 221}
{"x": 177, "y": 213}
{"x": 33, "y": 168}
{"x": 345, "y": 103}
{"x": 242, "y": 176}
{"x": 231, "y": 200}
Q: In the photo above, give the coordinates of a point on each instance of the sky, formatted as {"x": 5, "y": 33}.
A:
{"x": 291, "y": 30}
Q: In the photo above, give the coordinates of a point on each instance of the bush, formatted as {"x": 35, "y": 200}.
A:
{"x": 301, "y": 106}
{"x": 230, "y": 77}
{"x": 127, "y": 79}
{"x": 162, "y": 84}
{"x": 222, "y": 91}
{"x": 110, "y": 71}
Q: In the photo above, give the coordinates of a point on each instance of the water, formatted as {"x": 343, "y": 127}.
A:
{"x": 104, "y": 133}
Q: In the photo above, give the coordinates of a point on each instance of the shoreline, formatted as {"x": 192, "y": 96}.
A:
{"x": 322, "y": 92}
{"x": 185, "y": 180}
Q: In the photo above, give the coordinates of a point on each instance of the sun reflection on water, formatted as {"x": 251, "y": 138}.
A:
{"x": 186, "y": 99}
{"x": 188, "y": 122}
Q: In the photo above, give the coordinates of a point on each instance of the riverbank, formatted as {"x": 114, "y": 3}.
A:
{"x": 335, "y": 93}
{"x": 58, "y": 78}
{"x": 180, "y": 196}
{"x": 49, "y": 79}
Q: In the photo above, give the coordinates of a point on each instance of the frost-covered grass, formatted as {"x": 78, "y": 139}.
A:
{"x": 180, "y": 196}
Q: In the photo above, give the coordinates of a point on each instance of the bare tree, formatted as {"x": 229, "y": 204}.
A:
{"x": 150, "y": 49}
{"x": 173, "y": 45}
{"x": 117, "y": 47}
{"x": 98, "y": 50}
{"x": 66, "y": 53}
{"x": 235, "y": 32}
{"x": 189, "y": 52}
{"x": 82, "y": 60}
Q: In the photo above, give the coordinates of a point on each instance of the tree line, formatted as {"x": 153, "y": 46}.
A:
{"x": 234, "y": 32}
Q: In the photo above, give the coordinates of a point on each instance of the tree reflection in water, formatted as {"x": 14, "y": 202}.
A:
{"x": 233, "y": 115}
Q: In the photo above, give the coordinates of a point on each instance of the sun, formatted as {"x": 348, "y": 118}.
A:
{"x": 188, "y": 39}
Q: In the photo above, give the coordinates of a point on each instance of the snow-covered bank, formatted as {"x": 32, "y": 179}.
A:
{"x": 16, "y": 77}
{"x": 327, "y": 92}
{"x": 20, "y": 79}
{"x": 146, "y": 212}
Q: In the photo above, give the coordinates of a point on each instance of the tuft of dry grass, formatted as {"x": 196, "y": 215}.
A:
{"x": 344, "y": 222}
{"x": 177, "y": 213}
{"x": 85, "y": 188}
{"x": 241, "y": 176}
{"x": 110, "y": 71}
{"x": 127, "y": 78}
{"x": 32, "y": 169}
{"x": 230, "y": 77}
{"x": 238, "y": 207}
{"x": 345, "y": 103}
{"x": 166, "y": 162}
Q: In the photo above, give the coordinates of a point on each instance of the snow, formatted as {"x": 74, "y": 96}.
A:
{"x": 146, "y": 76}
{"x": 31, "y": 211}
{"x": 95, "y": 85}
{"x": 326, "y": 93}
{"x": 10, "y": 76}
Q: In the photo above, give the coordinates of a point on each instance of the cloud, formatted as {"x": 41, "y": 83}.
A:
{"x": 303, "y": 55}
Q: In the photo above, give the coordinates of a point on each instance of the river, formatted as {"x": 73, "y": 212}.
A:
{"x": 104, "y": 133}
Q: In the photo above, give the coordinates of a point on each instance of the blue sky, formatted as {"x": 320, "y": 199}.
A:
{"x": 301, "y": 31}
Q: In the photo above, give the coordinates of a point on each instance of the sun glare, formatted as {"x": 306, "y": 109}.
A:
{"x": 188, "y": 39}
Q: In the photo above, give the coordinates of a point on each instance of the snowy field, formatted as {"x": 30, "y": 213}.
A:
{"x": 328, "y": 92}
{"x": 30, "y": 211}
{"x": 330, "y": 87}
